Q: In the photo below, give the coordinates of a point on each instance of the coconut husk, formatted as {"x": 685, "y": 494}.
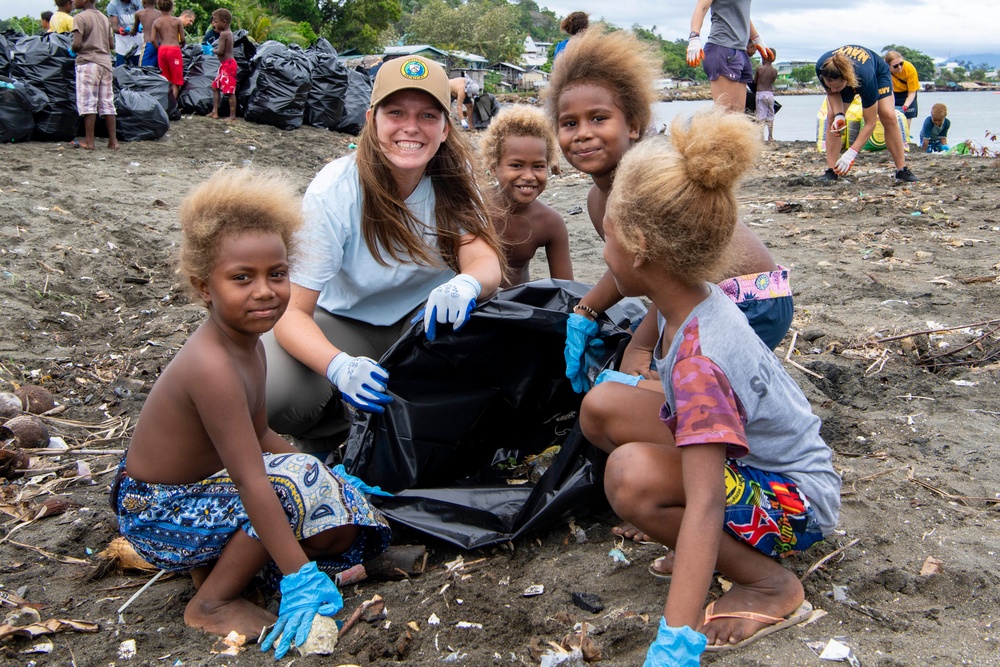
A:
{"x": 35, "y": 399}
{"x": 10, "y": 405}
{"x": 120, "y": 556}
{"x": 13, "y": 461}
{"x": 29, "y": 431}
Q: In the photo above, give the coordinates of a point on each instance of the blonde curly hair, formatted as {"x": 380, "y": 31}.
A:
{"x": 617, "y": 61}
{"x": 234, "y": 201}
{"x": 674, "y": 201}
{"x": 519, "y": 120}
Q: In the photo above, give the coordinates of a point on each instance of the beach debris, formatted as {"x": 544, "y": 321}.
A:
{"x": 837, "y": 651}
{"x": 10, "y": 405}
{"x": 576, "y": 210}
{"x": 231, "y": 644}
{"x": 931, "y": 566}
{"x": 35, "y": 399}
{"x": 588, "y": 602}
{"x": 29, "y": 431}
{"x": 618, "y": 556}
{"x": 13, "y": 461}
{"x": 44, "y": 646}
{"x": 433, "y": 619}
{"x": 352, "y": 575}
{"x": 398, "y": 562}
{"x": 322, "y": 638}
{"x": 557, "y": 655}
{"x": 468, "y": 625}
{"x": 368, "y": 611}
{"x": 787, "y": 207}
{"x": 580, "y": 640}
{"x": 135, "y": 596}
{"x": 579, "y": 534}
{"x": 121, "y": 556}
{"x": 533, "y": 590}
{"x": 126, "y": 650}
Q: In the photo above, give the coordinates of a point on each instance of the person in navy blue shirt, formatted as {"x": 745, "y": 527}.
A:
{"x": 855, "y": 70}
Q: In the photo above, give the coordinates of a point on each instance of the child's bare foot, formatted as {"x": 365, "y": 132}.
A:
{"x": 776, "y": 596}
{"x": 214, "y": 114}
{"x": 113, "y": 144}
{"x": 630, "y": 532}
{"x": 231, "y": 119}
{"x": 222, "y": 618}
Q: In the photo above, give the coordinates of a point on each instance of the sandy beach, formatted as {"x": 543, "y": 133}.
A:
{"x": 895, "y": 343}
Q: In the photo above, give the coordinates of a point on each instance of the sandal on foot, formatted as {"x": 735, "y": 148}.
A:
{"x": 774, "y": 623}
{"x": 657, "y": 573}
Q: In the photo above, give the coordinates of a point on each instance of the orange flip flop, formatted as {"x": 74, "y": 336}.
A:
{"x": 774, "y": 623}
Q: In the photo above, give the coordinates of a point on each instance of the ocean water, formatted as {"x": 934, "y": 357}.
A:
{"x": 972, "y": 115}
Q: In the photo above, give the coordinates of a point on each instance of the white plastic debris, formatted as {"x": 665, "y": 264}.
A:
{"x": 533, "y": 590}
{"x": 126, "y": 650}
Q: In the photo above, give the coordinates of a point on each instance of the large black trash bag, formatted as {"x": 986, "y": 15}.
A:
{"x": 44, "y": 62}
{"x": 6, "y": 49}
{"x": 147, "y": 80}
{"x": 246, "y": 86}
{"x": 18, "y": 106}
{"x": 325, "y": 104}
{"x": 284, "y": 79}
{"x": 140, "y": 116}
{"x": 470, "y": 406}
{"x": 196, "y": 94}
{"x": 357, "y": 99}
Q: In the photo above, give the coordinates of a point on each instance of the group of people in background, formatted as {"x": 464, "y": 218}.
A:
{"x": 149, "y": 35}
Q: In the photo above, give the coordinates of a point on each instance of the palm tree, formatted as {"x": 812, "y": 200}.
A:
{"x": 262, "y": 24}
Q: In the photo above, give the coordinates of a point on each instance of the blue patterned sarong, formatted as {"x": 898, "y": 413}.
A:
{"x": 178, "y": 527}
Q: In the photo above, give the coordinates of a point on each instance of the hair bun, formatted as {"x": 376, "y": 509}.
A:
{"x": 717, "y": 147}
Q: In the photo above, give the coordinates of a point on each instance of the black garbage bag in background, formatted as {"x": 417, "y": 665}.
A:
{"x": 18, "y": 106}
{"x": 325, "y": 103}
{"x": 199, "y": 73}
{"x": 147, "y": 80}
{"x": 283, "y": 83}
{"x": 469, "y": 409}
{"x": 140, "y": 116}
{"x": 44, "y": 62}
{"x": 6, "y": 49}
{"x": 357, "y": 99}
{"x": 245, "y": 87}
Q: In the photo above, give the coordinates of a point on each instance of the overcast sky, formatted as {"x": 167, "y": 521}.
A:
{"x": 797, "y": 29}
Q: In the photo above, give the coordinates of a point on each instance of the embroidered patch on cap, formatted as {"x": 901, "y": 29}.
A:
{"x": 413, "y": 69}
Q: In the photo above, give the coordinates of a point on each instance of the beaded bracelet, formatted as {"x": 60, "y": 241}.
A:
{"x": 587, "y": 309}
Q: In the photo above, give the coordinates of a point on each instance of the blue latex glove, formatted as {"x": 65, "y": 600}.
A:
{"x": 206, "y": 49}
{"x": 361, "y": 381}
{"x": 357, "y": 483}
{"x": 945, "y": 147}
{"x": 451, "y": 303}
{"x": 675, "y": 647}
{"x": 71, "y": 52}
{"x": 609, "y": 375}
{"x": 303, "y": 595}
{"x": 580, "y": 333}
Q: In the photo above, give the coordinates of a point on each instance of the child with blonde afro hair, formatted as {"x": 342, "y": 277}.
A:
{"x": 735, "y": 445}
{"x": 519, "y": 149}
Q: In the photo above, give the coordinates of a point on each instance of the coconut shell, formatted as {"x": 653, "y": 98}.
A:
{"x": 29, "y": 431}
{"x": 35, "y": 399}
{"x": 10, "y": 405}
{"x": 13, "y": 461}
{"x": 123, "y": 556}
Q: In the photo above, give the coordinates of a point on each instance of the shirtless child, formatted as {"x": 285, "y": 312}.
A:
{"x": 205, "y": 486}
{"x": 519, "y": 148}
{"x": 225, "y": 80}
{"x": 764, "y": 79}
{"x": 167, "y": 37}
{"x": 144, "y": 19}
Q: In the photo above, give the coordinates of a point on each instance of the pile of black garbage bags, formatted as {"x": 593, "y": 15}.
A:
{"x": 279, "y": 85}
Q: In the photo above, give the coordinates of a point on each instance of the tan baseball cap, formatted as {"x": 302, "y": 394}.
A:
{"x": 412, "y": 72}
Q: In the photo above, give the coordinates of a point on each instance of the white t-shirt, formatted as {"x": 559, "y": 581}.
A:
{"x": 334, "y": 259}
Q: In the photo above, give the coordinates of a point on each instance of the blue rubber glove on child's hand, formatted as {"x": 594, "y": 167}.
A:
{"x": 579, "y": 333}
{"x": 675, "y": 647}
{"x": 361, "y": 381}
{"x": 608, "y": 375}
{"x": 451, "y": 302}
{"x": 303, "y": 595}
{"x": 358, "y": 483}
{"x": 71, "y": 52}
{"x": 206, "y": 49}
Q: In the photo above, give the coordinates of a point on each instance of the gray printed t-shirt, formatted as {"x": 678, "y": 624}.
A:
{"x": 730, "y": 24}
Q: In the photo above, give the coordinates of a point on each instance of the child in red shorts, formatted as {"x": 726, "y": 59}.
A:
{"x": 225, "y": 81}
{"x": 168, "y": 35}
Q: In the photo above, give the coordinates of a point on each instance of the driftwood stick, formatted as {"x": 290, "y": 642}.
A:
{"x": 930, "y": 331}
{"x": 815, "y": 566}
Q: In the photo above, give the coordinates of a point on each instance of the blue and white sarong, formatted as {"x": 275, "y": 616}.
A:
{"x": 178, "y": 527}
